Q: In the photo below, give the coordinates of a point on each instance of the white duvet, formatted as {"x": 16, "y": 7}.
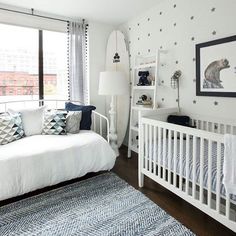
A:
{"x": 43, "y": 160}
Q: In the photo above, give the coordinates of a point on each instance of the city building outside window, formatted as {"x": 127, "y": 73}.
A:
{"x": 19, "y": 67}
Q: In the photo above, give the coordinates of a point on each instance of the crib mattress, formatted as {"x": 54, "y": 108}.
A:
{"x": 205, "y": 162}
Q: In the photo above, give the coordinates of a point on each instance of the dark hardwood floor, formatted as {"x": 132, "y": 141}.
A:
{"x": 125, "y": 168}
{"x": 200, "y": 223}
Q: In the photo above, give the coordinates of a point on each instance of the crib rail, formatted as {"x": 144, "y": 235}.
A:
{"x": 213, "y": 125}
{"x": 100, "y": 123}
{"x": 189, "y": 163}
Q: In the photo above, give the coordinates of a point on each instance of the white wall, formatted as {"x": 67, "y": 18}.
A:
{"x": 98, "y": 36}
{"x": 186, "y": 22}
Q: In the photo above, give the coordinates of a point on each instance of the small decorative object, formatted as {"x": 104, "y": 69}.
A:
{"x": 144, "y": 100}
{"x": 116, "y": 58}
{"x": 151, "y": 79}
{"x": 143, "y": 78}
{"x": 175, "y": 79}
{"x": 215, "y": 62}
{"x": 175, "y": 83}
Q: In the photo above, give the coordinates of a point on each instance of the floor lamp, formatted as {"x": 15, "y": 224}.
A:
{"x": 113, "y": 83}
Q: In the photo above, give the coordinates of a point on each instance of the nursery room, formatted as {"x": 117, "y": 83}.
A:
{"x": 117, "y": 117}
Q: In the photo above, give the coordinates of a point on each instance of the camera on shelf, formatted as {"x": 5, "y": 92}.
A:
{"x": 144, "y": 100}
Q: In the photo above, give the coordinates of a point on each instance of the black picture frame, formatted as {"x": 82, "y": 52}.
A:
{"x": 199, "y": 88}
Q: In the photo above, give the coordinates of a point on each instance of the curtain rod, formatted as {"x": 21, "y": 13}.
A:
{"x": 36, "y": 15}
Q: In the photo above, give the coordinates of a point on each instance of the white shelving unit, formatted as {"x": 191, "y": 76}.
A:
{"x": 142, "y": 63}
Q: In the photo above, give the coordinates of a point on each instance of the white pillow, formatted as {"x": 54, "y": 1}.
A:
{"x": 32, "y": 120}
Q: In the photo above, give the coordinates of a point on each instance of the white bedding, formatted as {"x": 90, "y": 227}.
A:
{"x": 42, "y": 160}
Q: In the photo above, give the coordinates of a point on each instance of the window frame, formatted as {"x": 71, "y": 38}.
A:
{"x": 40, "y": 66}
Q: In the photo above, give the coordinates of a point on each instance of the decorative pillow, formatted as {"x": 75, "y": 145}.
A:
{"x": 11, "y": 128}
{"x": 73, "y": 122}
{"x": 32, "y": 120}
{"x": 86, "y": 120}
{"x": 54, "y": 123}
{"x": 180, "y": 120}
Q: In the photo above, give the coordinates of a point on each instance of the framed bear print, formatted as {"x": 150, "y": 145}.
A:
{"x": 216, "y": 68}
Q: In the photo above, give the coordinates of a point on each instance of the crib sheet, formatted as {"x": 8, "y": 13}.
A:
{"x": 205, "y": 163}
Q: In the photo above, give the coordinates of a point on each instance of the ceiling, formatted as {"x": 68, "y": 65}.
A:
{"x": 107, "y": 11}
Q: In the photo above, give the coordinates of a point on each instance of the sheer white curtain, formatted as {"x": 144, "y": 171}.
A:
{"x": 78, "y": 81}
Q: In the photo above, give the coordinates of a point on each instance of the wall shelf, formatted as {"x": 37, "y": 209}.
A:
{"x": 148, "y": 63}
{"x": 144, "y": 87}
{"x": 141, "y": 108}
{"x": 144, "y": 66}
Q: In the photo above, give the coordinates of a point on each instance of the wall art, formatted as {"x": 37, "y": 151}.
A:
{"x": 216, "y": 68}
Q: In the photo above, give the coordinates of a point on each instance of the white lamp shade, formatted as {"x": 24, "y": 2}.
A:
{"x": 113, "y": 83}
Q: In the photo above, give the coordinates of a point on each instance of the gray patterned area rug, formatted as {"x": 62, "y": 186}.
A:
{"x": 102, "y": 205}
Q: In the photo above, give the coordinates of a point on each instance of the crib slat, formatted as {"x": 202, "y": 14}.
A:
{"x": 207, "y": 126}
{"x": 150, "y": 148}
{"x": 204, "y": 125}
{"x": 164, "y": 155}
{"x": 231, "y": 129}
{"x": 155, "y": 150}
{"x": 209, "y": 173}
{"x": 211, "y": 127}
{"x": 219, "y": 128}
{"x": 218, "y": 177}
{"x": 225, "y": 129}
{"x": 187, "y": 163}
{"x": 175, "y": 156}
{"x": 227, "y": 206}
{"x": 181, "y": 162}
{"x": 169, "y": 155}
{"x": 201, "y": 124}
{"x": 159, "y": 152}
{"x": 194, "y": 166}
{"x": 201, "y": 168}
{"x": 215, "y": 128}
{"x": 146, "y": 147}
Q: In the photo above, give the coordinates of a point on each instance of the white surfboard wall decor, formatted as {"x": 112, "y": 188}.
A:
{"x": 117, "y": 59}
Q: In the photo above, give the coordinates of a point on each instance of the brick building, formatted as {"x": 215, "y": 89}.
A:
{"x": 18, "y": 73}
{"x": 23, "y": 83}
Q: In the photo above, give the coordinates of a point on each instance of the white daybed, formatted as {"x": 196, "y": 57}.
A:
{"x": 38, "y": 161}
{"x": 188, "y": 161}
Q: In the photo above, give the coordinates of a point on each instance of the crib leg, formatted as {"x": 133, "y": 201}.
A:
{"x": 140, "y": 179}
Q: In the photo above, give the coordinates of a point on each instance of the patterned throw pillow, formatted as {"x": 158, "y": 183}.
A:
{"x": 54, "y": 123}
{"x": 73, "y": 122}
{"x": 86, "y": 119}
{"x": 11, "y": 128}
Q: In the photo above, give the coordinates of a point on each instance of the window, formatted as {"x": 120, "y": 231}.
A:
{"x": 22, "y": 75}
{"x": 55, "y": 65}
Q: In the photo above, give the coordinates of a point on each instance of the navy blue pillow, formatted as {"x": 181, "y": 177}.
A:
{"x": 86, "y": 121}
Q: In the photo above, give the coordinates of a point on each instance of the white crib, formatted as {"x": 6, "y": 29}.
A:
{"x": 188, "y": 161}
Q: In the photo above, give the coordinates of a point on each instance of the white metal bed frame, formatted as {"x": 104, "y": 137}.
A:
{"x": 100, "y": 123}
{"x": 152, "y": 131}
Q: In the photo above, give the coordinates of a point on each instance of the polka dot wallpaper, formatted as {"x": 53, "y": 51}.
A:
{"x": 177, "y": 26}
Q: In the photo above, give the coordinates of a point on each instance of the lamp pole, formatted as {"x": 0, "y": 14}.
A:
{"x": 113, "y": 134}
